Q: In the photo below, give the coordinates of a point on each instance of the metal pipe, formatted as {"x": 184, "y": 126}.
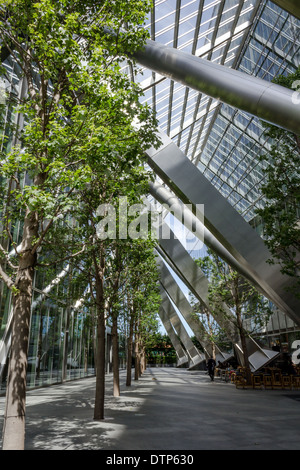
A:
{"x": 268, "y": 101}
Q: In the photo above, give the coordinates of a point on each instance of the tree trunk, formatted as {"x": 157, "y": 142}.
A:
{"x": 129, "y": 352}
{"x": 85, "y": 360}
{"x": 100, "y": 360}
{"x": 115, "y": 361}
{"x": 213, "y": 347}
{"x": 211, "y": 335}
{"x": 244, "y": 347}
{"x": 137, "y": 370}
{"x": 39, "y": 351}
{"x": 66, "y": 345}
{"x": 14, "y": 416}
{"x": 100, "y": 370}
{"x": 143, "y": 361}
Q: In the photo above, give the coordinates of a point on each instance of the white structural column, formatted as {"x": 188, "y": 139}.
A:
{"x": 186, "y": 268}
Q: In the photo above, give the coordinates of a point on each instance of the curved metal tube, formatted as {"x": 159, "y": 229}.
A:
{"x": 268, "y": 101}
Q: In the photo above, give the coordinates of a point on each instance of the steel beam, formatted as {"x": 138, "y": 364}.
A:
{"x": 182, "y": 358}
{"x": 180, "y": 210}
{"x": 179, "y": 299}
{"x": 195, "y": 357}
{"x": 268, "y": 101}
{"x": 183, "y": 264}
{"x": 225, "y": 224}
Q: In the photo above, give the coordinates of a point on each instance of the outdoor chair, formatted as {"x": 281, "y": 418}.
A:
{"x": 267, "y": 381}
{"x": 296, "y": 382}
{"x": 276, "y": 379}
{"x": 257, "y": 381}
{"x": 286, "y": 381}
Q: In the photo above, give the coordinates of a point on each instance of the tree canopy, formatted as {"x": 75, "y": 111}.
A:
{"x": 281, "y": 191}
{"x": 79, "y": 142}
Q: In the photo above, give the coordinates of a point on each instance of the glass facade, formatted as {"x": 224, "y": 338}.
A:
{"x": 62, "y": 342}
{"x": 257, "y": 38}
{"x": 254, "y": 37}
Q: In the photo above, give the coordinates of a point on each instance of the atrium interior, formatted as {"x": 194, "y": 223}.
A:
{"x": 207, "y": 72}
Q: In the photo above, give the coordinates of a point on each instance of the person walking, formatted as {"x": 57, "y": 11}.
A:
{"x": 211, "y": 365}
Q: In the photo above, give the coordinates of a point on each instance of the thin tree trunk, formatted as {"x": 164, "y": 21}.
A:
{"x": 143, "y": 361}
{"x": 85, "y": 360}
{"x": 100, "y": 361}
{"x": 14, "y": 416}
{"x": 129, "y": 352}
{"x": 137, "y": 359}
{"x": 94, "y": 339}
{"x": 100, "y": 370}
{"x": 39, "y": 351}
{"x": 213, "y": 346}
{"x": 235, "y": 291}
{"x": 66, "y": 345}
{"x": 211, "y": 335}
{"x": 115, "y": 350}
{"x": 244, "y": 347}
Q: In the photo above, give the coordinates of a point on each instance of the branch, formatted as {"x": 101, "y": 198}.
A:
{"x": 7, "y": 257}
{"x": 6, "y": 216}
{"x": 6, "y": 278}
{"x": 36, "y": 246}
{"x": 62, "y": 259}
{"x": 2, "y": 34}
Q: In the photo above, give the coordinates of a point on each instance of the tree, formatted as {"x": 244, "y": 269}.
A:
{"x": 143, "y": 303}
{"x": 70, "y": 67}
{"x": 161, "y": 349}
{"x": 281, "y": 191}
{"x": 228, "y": 287}
{"x": 107, "y": 257}
{"x": 135, "y": 279}
{"x": 211, "y": 329}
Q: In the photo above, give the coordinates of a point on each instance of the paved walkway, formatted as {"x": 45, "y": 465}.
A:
{"x": 167, "y": 409}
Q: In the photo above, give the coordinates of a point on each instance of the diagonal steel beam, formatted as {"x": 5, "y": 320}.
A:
{"x": 179, "y": 299}
{"x": 183, "y": 264}
{"x": 194, "y": 355}
{"x": 225, "y": 224}
{"x": 182, "y": 358}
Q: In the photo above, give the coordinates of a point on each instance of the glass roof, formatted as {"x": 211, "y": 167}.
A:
{"x": 255, "y": 37}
